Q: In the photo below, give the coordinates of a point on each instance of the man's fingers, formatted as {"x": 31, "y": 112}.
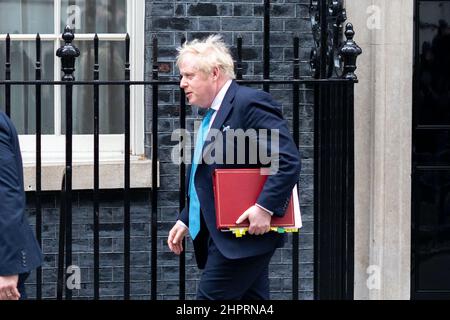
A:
{"x": 172, "y": 234}
{"x": 243, "y": 217}
{"x": 259, "y": 220}
{"x": 177, "y": 236}
{"x": 177, "y": 242}
{"x": 177, "y": 248}
{"x": 173, "y": 247}
{"x": 252, "y": 229}
{"x": 9, "y": 295}
{"x": 258, "y": 230}
{"x": 170, "y": 241}
{"x": 15, "y": 295}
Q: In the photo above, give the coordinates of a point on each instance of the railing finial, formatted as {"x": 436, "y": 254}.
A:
{"x": 349, "y": 53}
{"x": 68, "y": 53}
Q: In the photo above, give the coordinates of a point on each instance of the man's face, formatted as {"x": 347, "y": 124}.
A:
{"x": 200, "y": 88}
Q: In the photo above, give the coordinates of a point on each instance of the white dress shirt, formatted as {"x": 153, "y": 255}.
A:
{"x": 217, "y": 102}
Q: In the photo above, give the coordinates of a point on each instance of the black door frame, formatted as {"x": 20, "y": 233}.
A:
{"x": 415, "y": 292}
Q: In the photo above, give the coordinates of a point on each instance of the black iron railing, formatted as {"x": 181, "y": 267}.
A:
{"x": 333, "y": 85}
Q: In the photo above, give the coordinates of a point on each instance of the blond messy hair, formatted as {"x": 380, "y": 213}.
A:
{"x": 212, "y": 52}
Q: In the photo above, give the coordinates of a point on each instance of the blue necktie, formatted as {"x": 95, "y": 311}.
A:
{"x": 194, "y": 203}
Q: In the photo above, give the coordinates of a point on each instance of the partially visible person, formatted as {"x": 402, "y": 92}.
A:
{"x": 19, "y": 250}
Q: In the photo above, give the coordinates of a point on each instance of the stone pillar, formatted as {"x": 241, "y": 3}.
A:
{"x": 383, "y": 125}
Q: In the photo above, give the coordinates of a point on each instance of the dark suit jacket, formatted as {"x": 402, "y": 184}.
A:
{"x": 244, "y": 108}
{"x": 19, "y": 250}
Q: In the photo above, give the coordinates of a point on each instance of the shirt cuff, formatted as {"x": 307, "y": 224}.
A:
{"x": 181, "y": 223}
{"x": 267, "y": 210}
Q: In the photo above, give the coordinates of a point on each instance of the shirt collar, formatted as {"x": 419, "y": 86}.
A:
{"x": 219, "y": 98}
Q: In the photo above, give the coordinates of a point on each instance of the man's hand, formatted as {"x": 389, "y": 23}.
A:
{"x": 8, "y": 288}
{"x": 258, "y": 218}
{"x": 176, "y": 236}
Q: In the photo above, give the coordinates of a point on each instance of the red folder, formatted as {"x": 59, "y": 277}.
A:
{"x": 236, "y": 190}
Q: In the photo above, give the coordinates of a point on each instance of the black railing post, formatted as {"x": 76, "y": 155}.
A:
{"x": 322, "y": 235}
{"x": 96, "y": 175}
{"x": 154, "y": 218}
{"x": 295, "y": 125}
{"x": 335, "y": 215}
{"x": 349, "y": 53}
{"x": 8, "y": 76}
{"x": 61, "y": 241}
{"x": 182, "y": 200}
{"x": 239, "y": 58}
{"x": 266, "y": 45}
{"x": 68, "y": 54}
{"x": 38, "y": 164}
{"x": 323, "y": 54}
{"x": 127, "y": 151}
{"x": 349, "y": 188}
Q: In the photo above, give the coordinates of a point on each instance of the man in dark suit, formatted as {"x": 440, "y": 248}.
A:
{"x": 19, "y": 250}
{"x": 234, "y": 268}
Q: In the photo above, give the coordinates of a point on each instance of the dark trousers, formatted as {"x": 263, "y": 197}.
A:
{"x": 237, "y": 279}
{"x": 21, "y": 285}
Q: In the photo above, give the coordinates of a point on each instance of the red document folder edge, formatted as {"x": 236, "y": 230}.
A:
{"x": 236, "y": 190}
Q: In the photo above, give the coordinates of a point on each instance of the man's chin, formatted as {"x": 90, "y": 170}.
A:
{"x": 191, "y": 102}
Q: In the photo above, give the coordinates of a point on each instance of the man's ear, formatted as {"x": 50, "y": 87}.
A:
{"x": 216, "y": 73}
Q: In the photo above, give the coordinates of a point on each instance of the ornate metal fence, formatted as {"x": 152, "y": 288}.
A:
{"x": 333, "y": 63}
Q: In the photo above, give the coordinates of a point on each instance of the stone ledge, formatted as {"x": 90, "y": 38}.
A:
{"x": 111, "y": 175}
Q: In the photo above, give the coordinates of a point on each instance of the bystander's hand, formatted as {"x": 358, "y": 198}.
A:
{"x": 8, "y": 288}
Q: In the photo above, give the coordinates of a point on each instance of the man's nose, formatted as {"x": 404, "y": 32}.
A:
{"x": 183, "y": 83}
